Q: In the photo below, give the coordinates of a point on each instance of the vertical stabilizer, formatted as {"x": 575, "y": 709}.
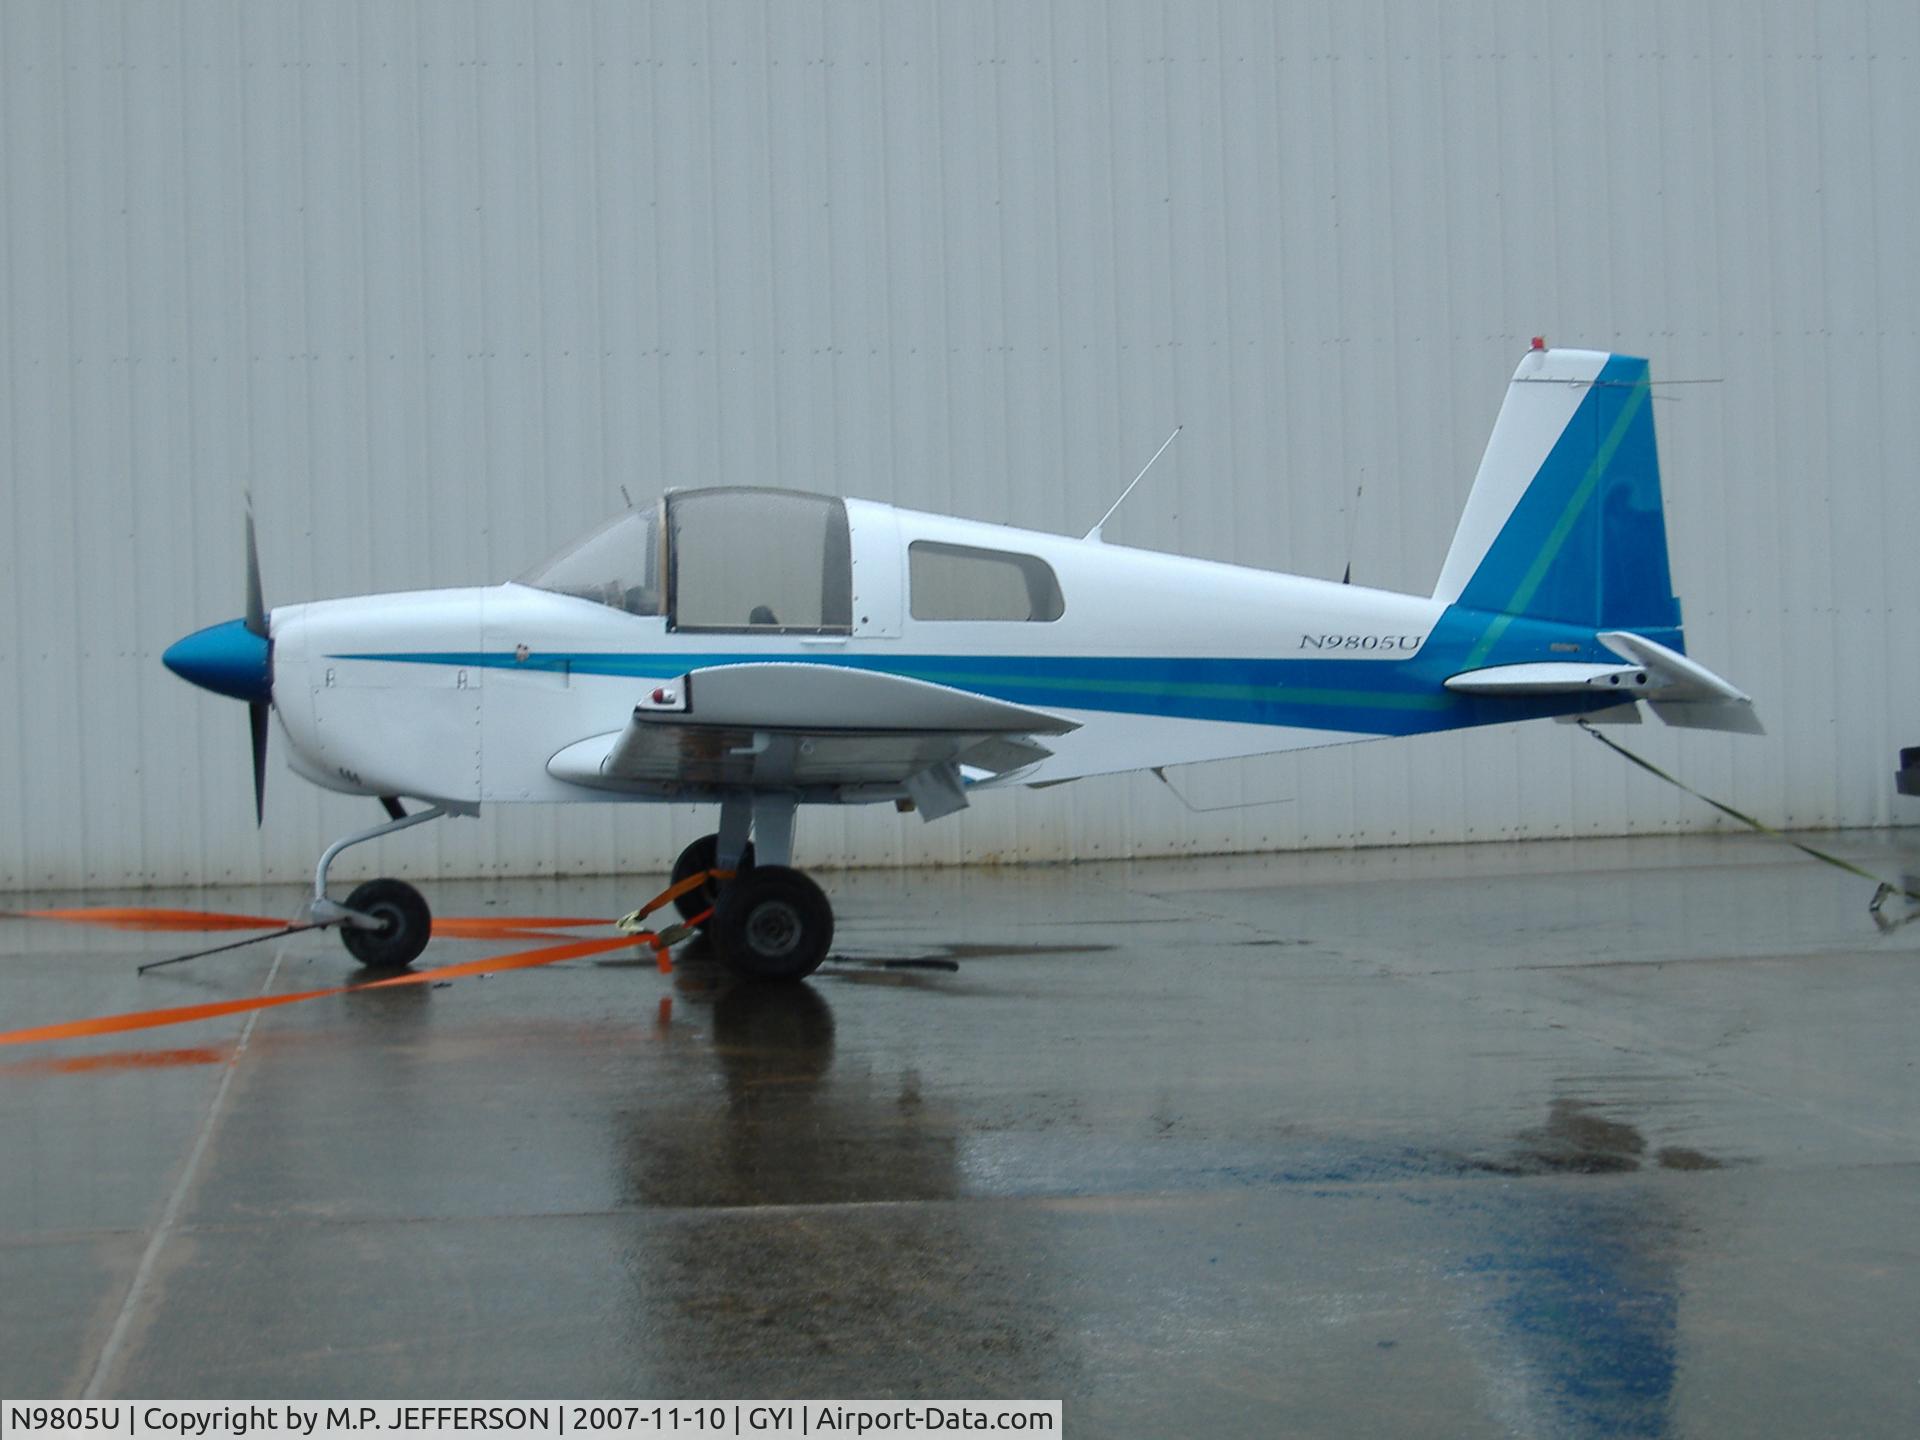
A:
{"x": 1565, "y": 520}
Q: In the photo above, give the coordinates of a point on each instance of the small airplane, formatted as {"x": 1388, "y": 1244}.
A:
{"x": 761, "y": 649}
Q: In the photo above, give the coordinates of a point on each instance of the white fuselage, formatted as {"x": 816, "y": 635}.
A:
{"x": 474, "y": 690}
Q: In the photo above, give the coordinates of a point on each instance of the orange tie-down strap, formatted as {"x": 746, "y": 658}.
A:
{"x": 137, "y": 917}
{"x": 156, "y": 921}
{"x": 504, "y": 927}
{"x": 187, "y": 1014}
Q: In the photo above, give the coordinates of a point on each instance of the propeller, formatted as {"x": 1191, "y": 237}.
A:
{"x": 235, "y": 658}
{"x": 258, "y": 710}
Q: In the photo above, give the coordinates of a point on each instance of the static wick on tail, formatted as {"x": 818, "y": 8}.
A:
{"x": 1094, "y": 533}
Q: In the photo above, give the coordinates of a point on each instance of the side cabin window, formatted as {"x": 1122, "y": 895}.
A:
{"x": 764, "y": 560}
{"x": 960, "y": 582}
{"x": 618, "y": 564}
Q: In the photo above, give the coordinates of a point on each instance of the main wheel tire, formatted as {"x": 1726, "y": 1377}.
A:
{"x": 773, "y": 923}
{"x": 703, "y": 854}
{"x": 406, "y": 925}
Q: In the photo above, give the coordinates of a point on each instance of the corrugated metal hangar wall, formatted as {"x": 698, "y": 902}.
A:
{"x": 434, "y": 281}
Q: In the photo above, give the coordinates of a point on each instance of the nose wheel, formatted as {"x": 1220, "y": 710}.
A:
{"x": 405, "y": 925}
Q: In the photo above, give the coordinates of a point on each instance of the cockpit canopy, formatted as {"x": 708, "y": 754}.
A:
{"x": 736, "y": 558}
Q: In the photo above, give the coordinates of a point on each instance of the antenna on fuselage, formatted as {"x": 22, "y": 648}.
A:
{"x": 1353, "y": 523}
{"x": 1094, "y": 533}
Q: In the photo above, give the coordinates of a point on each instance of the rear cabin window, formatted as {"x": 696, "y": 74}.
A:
{"x": 751, "y": 559}
{"x": 960, "y": 582}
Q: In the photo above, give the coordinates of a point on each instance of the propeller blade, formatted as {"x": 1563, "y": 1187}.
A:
{"x": 257, "y": 716}
{"x": 257, "y": 710}
{"x": 256, "y": 605}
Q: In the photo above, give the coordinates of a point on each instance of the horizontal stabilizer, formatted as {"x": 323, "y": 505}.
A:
{"x": 1735, "y": 715}
{"x": 1680, "y": 691}
{"x": 1685, "y": 693}
{"x": 1550, "y": 677}
{"x": 1678, "y": 677}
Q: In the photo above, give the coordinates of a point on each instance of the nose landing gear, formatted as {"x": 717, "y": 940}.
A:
{"x": 385, "y": 923}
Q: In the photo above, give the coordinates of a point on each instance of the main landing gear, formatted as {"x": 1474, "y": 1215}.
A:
{"x": 769, "y": 921}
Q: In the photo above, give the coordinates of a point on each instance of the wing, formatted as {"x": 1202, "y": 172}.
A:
{"x": 830, "y": 730}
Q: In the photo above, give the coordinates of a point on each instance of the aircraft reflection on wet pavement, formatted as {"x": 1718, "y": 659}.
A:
{"x": 785, "y": 1131}
{"x": 1570, "y": 1300}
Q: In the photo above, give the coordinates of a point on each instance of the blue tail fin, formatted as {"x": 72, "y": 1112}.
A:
{"x": 1565, "y": 521}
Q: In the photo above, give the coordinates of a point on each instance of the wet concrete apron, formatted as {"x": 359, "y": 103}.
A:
{"x": 1598, "y": 1138}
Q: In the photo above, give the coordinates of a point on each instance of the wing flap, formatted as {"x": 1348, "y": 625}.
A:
{"x": 714, "y": 757}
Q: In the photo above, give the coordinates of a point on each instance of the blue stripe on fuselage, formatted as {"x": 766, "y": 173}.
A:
{"x": 1372, "y": 697}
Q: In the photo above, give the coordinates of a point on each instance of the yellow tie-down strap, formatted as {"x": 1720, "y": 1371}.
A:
{"x": 1883, "y": 888}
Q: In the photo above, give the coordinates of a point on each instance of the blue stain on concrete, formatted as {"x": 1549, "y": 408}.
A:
{"x": 1588, "y": 1306}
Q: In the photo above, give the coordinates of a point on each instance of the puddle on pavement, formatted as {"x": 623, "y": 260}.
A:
{"x": 1578, "y": 1140}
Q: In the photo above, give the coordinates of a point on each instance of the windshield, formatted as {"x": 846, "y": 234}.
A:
{"x": 617, "y": 564}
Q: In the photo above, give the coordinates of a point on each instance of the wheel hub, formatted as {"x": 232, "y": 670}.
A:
{"x": 774, "y": 927}
{"x": 773, "y": 923}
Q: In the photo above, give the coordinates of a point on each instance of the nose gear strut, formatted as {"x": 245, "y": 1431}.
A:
{"x": 385, "y": 923}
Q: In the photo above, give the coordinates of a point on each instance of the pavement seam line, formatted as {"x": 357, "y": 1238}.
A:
{"x": 170, "y": 1216}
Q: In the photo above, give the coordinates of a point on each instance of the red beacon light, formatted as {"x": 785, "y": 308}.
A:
{"x": 1539, "y": 342}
